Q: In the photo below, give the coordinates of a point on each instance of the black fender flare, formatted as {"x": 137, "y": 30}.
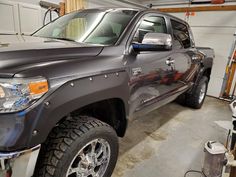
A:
{"x": 76, "y": 94}
{"x": 205, "y": 65}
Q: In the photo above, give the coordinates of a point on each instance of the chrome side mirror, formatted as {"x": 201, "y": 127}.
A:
{"x": 154, "y": 42}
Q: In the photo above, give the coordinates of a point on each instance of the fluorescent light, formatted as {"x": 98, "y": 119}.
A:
{"x": 148, "y": 23}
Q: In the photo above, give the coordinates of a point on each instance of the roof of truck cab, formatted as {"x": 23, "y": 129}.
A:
{"x": 139, "y": 10}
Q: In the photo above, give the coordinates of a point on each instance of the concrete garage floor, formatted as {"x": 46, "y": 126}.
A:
{"x": 170, "y": 140}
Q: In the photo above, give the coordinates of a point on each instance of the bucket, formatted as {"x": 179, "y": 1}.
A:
{"x": 214, "y": 159}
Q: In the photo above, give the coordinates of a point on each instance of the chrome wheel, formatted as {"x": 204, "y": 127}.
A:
{"x": 91, "y": 161}
{"x": 202, "y": 93}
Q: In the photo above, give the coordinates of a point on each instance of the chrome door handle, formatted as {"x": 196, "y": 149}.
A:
{"x": 170, "y": 61}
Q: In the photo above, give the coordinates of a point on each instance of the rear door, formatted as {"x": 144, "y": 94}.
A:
{"x": 184, "y": 54}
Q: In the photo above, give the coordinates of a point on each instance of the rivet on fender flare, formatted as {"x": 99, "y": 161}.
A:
{"x": 106, "y": 76}
{"x": 47, "y": 103}
{"x": 35, "y": 132}
{"x": 72, "y": 84}
{"x": 117, "y": 74}
{"x": 90, "y": 78}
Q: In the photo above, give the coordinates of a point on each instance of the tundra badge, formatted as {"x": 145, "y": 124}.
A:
{"x": 136, "y": 71}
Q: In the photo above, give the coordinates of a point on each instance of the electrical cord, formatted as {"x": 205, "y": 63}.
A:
{"x": 45, "y": 15}
{"x": 50, "y": 10}
{"x": 194, "y": 171}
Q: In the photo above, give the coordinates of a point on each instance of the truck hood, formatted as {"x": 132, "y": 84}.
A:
{"x": 19, "y": 53}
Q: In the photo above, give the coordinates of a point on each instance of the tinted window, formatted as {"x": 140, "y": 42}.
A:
{"x": 181, "y": 34}
{"x": 95, "y": 27}
{"x": 151, "y": 24}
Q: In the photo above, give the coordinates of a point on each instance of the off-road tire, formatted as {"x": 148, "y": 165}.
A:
{"x": 65, "y": 141}
{"x": 193, "y": 100}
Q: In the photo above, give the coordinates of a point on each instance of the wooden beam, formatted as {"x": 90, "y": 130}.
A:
{"x": 62, "y": 8}
{"x": 198, "y": 9}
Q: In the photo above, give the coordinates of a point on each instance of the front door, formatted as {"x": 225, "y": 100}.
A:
{"x": 152, "y": 73}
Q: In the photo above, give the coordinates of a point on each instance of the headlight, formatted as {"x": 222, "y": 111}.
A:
{"x": 18, "y": 94}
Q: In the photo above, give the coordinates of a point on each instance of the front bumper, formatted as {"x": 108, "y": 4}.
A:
{"x": 19, "y": 164}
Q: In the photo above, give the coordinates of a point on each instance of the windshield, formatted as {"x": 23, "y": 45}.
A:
{"x": 93, "y": 27}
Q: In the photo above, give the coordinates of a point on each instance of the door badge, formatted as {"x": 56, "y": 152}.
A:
{"x": 136, "y": 71}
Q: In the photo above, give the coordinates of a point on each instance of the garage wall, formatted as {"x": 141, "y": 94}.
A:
{"x": 90, "y": 3}
{"x": 20, "y": 12}
{"x": 26, "y": 16}
{"x": 19, "y": 18}
{"x": 23, "y": 16}
{"x": 106, "y": 3}
{"x": 36, "y": 2}
{"x": 215, "y": 30}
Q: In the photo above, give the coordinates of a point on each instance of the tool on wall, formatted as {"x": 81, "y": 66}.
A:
{"x": 187, "y": 14}
{"x": 51, "y": 8}
{"x": 230, "y": 73}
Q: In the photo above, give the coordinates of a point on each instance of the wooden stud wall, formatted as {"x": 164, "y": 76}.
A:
{"x": 73, "y": 5}
{"x": 62, "y": 8}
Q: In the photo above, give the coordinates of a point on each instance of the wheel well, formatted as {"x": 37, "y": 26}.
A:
{"x": 207, "y": 73}
{"x": 111, "y": 111}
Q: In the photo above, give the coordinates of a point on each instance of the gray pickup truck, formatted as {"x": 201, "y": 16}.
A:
{"x": 68, "y": 91}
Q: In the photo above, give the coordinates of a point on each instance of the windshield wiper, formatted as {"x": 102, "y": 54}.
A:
{"x": 64, "y": 39}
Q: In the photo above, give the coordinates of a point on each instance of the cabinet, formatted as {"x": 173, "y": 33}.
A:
{"x": 19, "y": 18}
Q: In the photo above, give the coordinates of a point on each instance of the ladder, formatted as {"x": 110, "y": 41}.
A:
{"x": 229, "y": 73}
